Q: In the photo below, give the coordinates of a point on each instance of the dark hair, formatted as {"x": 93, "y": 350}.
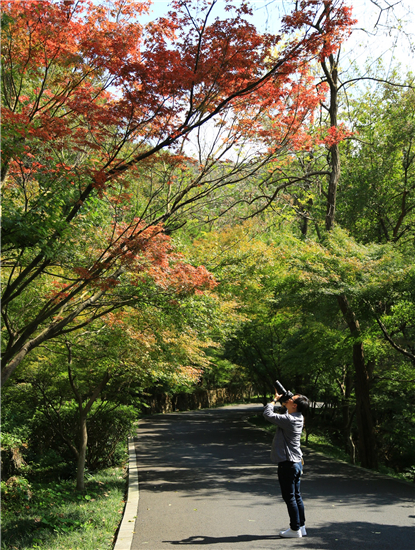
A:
{"x": 302, "y": 403}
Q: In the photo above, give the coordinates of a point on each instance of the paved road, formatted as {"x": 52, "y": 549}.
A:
{"x": 205, "y": 479}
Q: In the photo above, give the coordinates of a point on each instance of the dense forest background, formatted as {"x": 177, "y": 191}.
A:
{"x": 192, "y": 205}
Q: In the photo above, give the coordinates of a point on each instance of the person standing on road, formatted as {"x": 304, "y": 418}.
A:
{"x": 286, "y": 452}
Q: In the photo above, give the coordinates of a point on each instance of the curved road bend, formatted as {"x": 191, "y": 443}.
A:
{"x": 206, "y": 480}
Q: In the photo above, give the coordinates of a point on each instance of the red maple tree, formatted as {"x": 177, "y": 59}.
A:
{"x": 89, "y": 96}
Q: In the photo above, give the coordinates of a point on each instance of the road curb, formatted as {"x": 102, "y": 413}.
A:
{"x": 126, "y": 530}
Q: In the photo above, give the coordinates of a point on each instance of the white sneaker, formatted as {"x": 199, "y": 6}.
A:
{"x": 290, "y": 534}
{"x": 302, "y": 529}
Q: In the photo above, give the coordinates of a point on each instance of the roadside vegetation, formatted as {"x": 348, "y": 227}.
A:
{"x": 322, "y": 439}
{"x": 40, "y": 515}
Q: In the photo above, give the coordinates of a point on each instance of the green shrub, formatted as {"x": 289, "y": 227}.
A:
{"x": 16, "y": 489}
{"x": 108, "y": 428}
{"x": 13, "y": 451}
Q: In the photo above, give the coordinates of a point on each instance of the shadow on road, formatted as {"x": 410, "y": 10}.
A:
{"x": 198, "y": 539}
{"x": 353, "y": 535}
{"x": 204, "y": 475}
{"x": 177, "y": 456}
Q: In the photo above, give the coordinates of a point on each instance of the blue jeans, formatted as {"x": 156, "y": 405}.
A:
{"x": 289, "y": 476}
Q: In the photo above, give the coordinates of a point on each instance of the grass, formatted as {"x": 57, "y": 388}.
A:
{"x": 321, "y": 443}
{"x": 56, "y": 517}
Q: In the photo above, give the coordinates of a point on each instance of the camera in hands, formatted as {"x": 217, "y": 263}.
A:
{"x": 285, "y": 394}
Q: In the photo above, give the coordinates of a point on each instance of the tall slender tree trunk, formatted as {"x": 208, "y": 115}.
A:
{"x": 366, "y": 443}
{"x": 331, "y": 74}
{"x": 364, "y": 419}
{"x": 83, "y": 414}
{"x": 83, "y": 442}
{"x": 346, "y": 386}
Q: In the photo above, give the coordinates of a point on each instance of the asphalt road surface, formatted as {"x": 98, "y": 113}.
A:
{"x": 206, "y": 480}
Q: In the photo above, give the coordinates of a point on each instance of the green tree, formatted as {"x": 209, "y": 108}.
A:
{"x": 90, "y": 96}
{"x": 375, "y": 278}
{"x": 378, "y": 182}
{"x": 92, "y": 379}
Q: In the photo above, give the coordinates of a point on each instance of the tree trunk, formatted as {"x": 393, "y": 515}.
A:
{"x": 83, "y": 414}
{"x": 331, "y": 74}
{"x": 346, "y": 386}
{"x": 332, "y": 188}
{"x": 366, "y": 441}
{"x": 367, "y": 451}
{"x": 83, "y": 441}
